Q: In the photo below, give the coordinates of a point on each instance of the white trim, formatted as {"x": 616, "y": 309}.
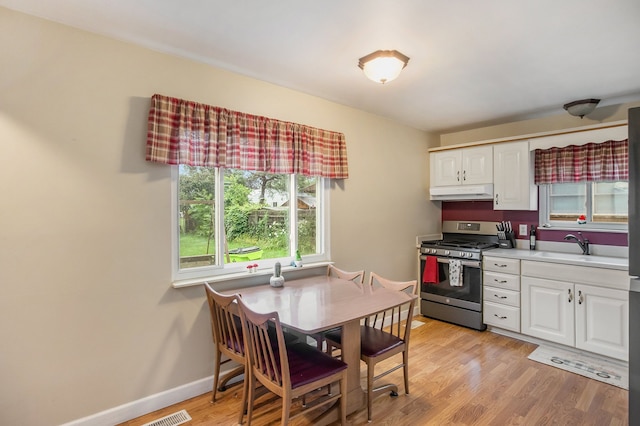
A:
{"x": 131, "y": 410}
{"x": 580, "y": 138}
{"x": 532, "y": 136}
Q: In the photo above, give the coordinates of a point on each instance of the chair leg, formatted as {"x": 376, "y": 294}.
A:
{"x": 370, "y": 370}
{"x": 216, "y": 376}
{"x": 405, "y": 360}
{"x": 343, "y": 399}
{"x": 245, "y": 390}
{"x": 286, "y": 409}
{"x": 252, "y": 397}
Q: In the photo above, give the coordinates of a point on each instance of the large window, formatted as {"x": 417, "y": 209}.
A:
{"x": 603, "y": 204}
{"x": 230, "y": 220}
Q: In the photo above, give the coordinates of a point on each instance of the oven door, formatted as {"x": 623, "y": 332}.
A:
{"x": 467, "y": 296}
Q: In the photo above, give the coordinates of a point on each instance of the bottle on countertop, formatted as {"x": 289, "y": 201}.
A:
{"x": 532, "y": 238}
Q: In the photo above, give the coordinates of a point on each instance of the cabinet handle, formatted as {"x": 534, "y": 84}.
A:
{"x": 500, "y": 281}
{"x": 497, "y": 200}
{"x": 570, "y": 296}
{"x": 464, "y": 175}
{"x": 580, "y": 297}
{"x": 500, "y": 266}
{"x": 458, "y": 176}
{"x": 498, "y": 316}
{"x": 500, "y": 297}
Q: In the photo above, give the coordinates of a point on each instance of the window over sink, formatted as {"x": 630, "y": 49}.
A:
{"x": 604, "y": 205}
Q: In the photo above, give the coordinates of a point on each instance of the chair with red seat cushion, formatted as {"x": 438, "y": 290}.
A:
{"x": 226, "y": 328}
{"x": 288, "y": 370}
{"x": 382, "y": 336}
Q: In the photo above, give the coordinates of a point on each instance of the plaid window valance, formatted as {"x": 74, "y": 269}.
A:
{"x": 185, "y": 132}
{"x": 592, "y": 162}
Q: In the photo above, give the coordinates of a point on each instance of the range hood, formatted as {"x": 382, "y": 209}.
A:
{"x": 461, "y": 192}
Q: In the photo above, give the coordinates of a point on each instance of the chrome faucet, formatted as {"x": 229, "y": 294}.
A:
{"x": 582, "y": 242}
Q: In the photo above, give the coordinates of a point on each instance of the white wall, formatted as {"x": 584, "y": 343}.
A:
{"x": 88, "y": 320}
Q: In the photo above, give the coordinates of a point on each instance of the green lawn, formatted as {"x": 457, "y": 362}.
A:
{"x": 193, "y": 245}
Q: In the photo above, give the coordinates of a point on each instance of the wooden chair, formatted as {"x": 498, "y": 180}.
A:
{"x": 289, "y": 371}
{"x": 226, "y": 328}
{"x": 332, "y": 271}
{"x": 357, "y": 276}
{"x": 382, "y": 336}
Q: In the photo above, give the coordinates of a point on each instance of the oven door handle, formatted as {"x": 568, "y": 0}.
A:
{"x": 469, "y": 263}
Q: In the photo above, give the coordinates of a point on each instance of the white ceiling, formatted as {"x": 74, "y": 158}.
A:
{"x": 472, "y": 62}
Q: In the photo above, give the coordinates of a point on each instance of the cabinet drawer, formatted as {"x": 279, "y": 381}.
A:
{"x": 496, "y": 279}
{"x": 502, "y": 264}
{"x": 502, "y": 316}
{"x": 502, "y": 296}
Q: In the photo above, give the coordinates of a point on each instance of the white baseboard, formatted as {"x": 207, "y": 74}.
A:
{"x": 146, "y": 405}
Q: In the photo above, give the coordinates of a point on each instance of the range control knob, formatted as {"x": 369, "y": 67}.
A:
{"x": 447, "y": 252}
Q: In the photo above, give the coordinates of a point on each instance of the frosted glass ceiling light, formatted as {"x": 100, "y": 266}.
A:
{"x": 581, "y": 108}
{"x": 383, "y": 66}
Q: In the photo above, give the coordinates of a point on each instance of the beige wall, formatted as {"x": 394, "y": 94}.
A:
{"x": 88, "y": 320}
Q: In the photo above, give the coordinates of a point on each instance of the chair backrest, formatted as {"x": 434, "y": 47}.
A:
{"x": 267, "y": 350}
{"x": 226, "y": 325}
{"x": 357, "y": 276}
{"x": 393, "y": 317}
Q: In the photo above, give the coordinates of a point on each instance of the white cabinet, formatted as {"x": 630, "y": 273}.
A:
{"x": 465, "y": 166}
{"x": 501, "y": 293}
{"x": 602, "y": 321}
{"x": 587, "y": 317}
{"x": 514, "y": 187}
{"x": 547, "y": 310}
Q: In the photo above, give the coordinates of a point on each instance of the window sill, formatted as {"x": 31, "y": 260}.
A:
{"x": 575, "y": 228}
{"x": 249, "y": 277}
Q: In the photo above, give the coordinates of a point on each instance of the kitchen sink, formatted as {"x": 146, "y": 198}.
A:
{"x": 577, "y": 259}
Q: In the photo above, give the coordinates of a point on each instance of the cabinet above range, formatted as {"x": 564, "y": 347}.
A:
{"x": 464, "y": 172}
{"x": 500, "y": 172}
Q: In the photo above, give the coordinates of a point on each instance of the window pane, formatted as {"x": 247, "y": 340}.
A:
{"x": 610, "y": 201}
{"x": 567, "y": 201}
{"x": 307, "y": 214}
{"x": 256, "y": 216}
{"x": 196, "y": 189}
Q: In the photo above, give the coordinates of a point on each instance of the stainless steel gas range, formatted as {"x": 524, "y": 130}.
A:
{"x": 451, "y": 272}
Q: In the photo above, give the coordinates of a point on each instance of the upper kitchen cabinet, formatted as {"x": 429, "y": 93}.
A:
{"x": 514, "y": 187}
{"x": 464, "y": 173}
{"x": 466, "y": 166}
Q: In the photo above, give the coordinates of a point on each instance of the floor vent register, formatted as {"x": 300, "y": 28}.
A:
{"x": 171, "y": 420}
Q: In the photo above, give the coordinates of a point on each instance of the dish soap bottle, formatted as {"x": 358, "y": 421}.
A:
{"x": 532, "y": 238}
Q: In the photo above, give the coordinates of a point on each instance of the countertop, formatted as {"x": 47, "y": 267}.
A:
{"x": 618, "y": 263}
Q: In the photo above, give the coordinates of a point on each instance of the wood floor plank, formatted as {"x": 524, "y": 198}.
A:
{"x": 458, "y": 376}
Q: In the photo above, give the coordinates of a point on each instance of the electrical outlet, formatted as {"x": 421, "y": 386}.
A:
{"x": 523, "y": 229}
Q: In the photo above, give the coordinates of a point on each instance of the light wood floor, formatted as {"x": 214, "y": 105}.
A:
{"x": 458, "y": 376}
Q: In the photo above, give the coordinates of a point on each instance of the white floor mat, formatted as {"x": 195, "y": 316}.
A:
{"x": 591, "y": 366}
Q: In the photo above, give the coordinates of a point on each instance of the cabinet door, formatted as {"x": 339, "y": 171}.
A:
{"x": 547, "y": 310}
{"x": 446, "y": 167}
{"x": 477, "y": 165}
{"x": 513, "y": 177}
{"x": 602, "y": 321}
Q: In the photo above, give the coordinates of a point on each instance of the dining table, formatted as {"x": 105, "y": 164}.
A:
{"x": 318, "y": 303}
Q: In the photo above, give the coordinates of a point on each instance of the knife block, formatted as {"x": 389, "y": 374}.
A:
{"x": 506, "y": 239}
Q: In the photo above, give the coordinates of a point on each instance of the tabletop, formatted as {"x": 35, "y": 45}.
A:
{"x": 318, "y": 303}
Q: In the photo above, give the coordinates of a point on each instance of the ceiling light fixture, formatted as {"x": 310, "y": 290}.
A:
{"x": 382, "y": 66}
{"x": 582, "y": 107}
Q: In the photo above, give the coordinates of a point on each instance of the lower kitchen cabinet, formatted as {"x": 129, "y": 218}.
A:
{"x": 584, "y": 316}
{"x": 602, "y": 321}
{"x": 547, "y": 310}
{"x": 501, "y": 293}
